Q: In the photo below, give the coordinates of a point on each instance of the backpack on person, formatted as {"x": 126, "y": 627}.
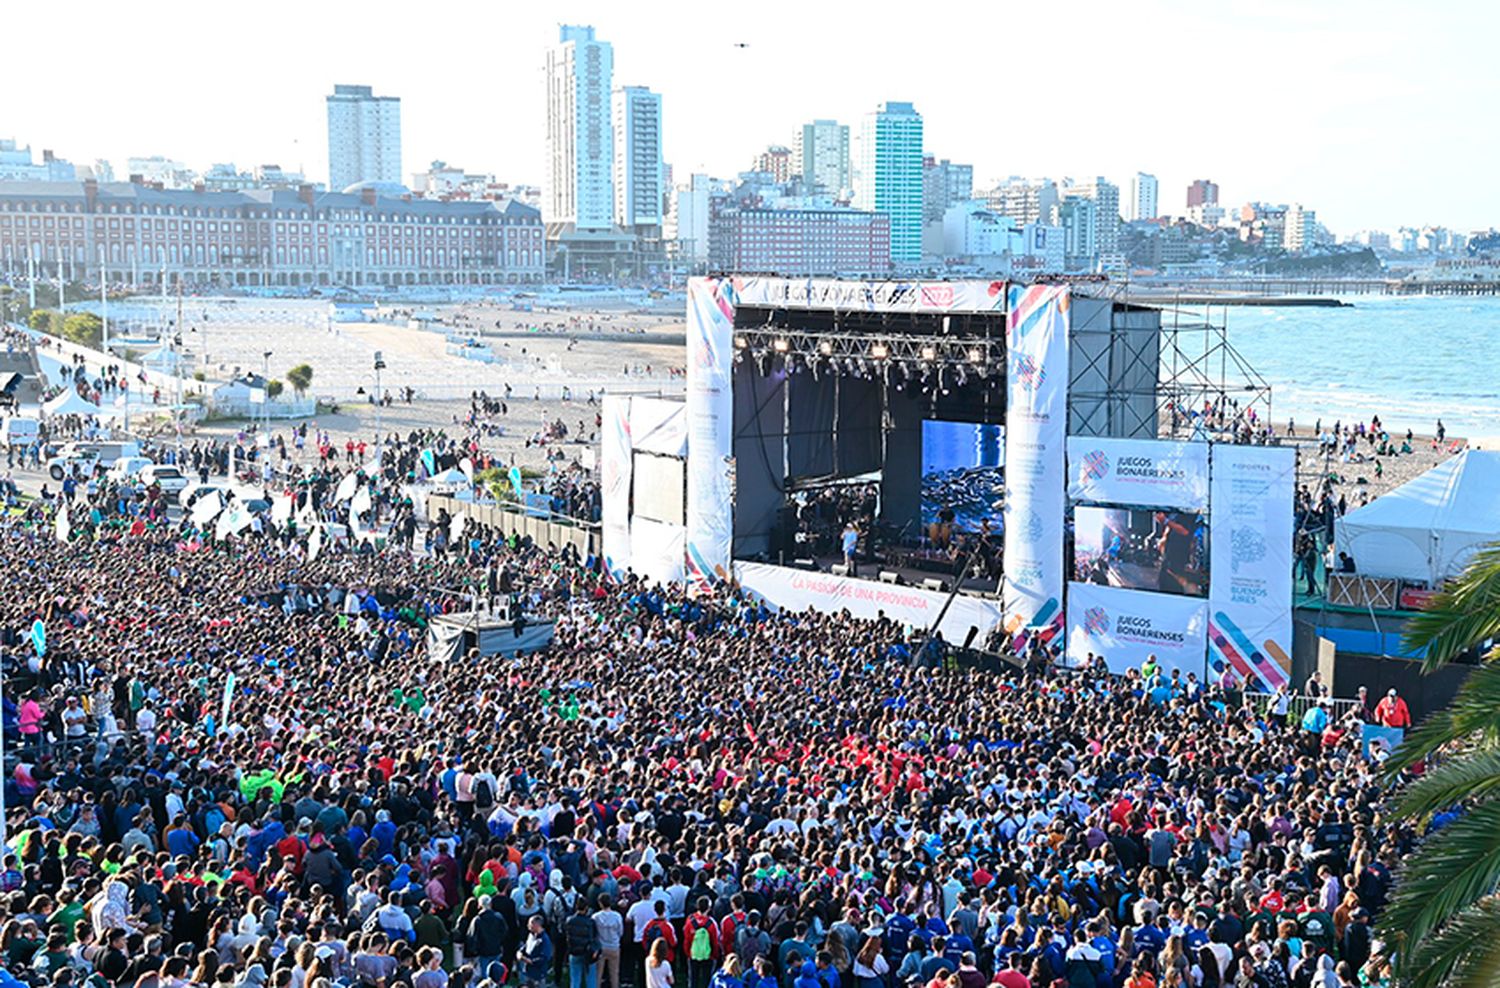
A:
{"x": 484, "y": 793}
{"x": 751, "y": 942}
{"x": 1083, "y": 972}
{"x": 702, "y": 946}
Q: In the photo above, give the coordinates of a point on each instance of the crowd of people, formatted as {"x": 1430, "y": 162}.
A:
{"x": 234, "y": 764}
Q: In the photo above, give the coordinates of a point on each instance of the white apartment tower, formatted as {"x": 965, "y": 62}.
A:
{"x": 1143, "y": 197}
{"x": 577, "y": 186}
{"x": 364, "y": 137}
{"x": 638, "y": 166}
{"x": 821, "y": 156}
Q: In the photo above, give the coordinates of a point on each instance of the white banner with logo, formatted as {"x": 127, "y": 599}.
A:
{"x": 786, "y": 588}
{"x": 1150, "y": 473}
{"x": 1127, "y": 626}
{"x": 1036, "y": 420}
{"x": 1250, "y": 565}
{"x": 710, "y": 421}
{"x": 614, "y": 482}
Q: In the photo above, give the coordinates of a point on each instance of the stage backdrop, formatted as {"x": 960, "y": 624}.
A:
{"x": 710, "y": 424}
{"x": 614, "y": 476}
{"x": 1036, "y": 419}
{"x": 786, "y": 588}
{"x": 1126, "y": 626}
{"x": 1147, "y": 472}
{"x": 1250, "y": 571}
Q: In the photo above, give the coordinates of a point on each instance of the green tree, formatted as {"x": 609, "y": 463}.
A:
{"x": 1444, "y": 914}
{"x": 40, "y": 320}
{"x": 83, "y": 328}
{"x": 274, "y": 389}
{"x": 300, "y": 378}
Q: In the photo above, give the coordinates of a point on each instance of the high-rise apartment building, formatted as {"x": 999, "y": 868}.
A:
{"x": 1024, "y": 200}
{"x": 1143, "y": 197}
{"x": 577, "y": 185}
{"x": 776, "y": 161}
{"x": 687, "y": 219}
{"x": 1300, "y": 231}
{"x": 1079, "y": 218}
{"x": 822, "y": 156}
{"x": 944, "y": 184}
{"x": 1202, "y": 192}
{"x": 638, "y": 170}
{"x": 890, "y": 179}
{"x": 364, "y": 137}
{"x": 1106, "y": 198}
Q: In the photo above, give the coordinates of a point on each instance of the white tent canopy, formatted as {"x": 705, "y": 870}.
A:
{"x": 69, "y": 402}
{"x": 451, "y": 477}
{"x": 1426, "y": 530}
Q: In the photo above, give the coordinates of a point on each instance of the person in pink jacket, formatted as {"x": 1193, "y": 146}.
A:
{"x": 30, "y": 717}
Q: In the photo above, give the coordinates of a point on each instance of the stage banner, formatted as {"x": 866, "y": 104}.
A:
{"x": 1036, "y": 419}
{"x": 710, "y": 422}
{"x": 785, "y": 588}
{"x": 656, "y": 550}
{"x": 614, "y": 479}
{"x": 872, "y": 296}
{"x": 1146, "y": 472}
{"x": 1250, "y": 564}
{"x": 1126, "y": 626}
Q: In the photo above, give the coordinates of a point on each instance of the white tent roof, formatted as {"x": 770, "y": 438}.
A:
{"x": 1426, "y": 530}
{"x": 70, "y": 402}
{"x": 452, "y": 476}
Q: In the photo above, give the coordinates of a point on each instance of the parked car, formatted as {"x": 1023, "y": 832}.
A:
{"x": 126, "y": 468}
{"x": 73, "y": 457}
{"x": 166, "y": 476}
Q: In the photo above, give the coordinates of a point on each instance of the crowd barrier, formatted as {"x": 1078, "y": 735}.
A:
{"x": 1297, "y": 704}
{"x": 510, "y": 519}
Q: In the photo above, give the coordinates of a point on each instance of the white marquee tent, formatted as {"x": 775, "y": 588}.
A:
{"x": 1426, "y": 530}
{"x": 69, "y": 402}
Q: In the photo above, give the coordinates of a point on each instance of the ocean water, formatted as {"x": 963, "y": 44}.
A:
{"x": 1411, "y": 361}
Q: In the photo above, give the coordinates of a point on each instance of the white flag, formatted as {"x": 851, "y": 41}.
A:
{"x": 315, "y": 543}
{"x": 206, "y": 508}
{"x": 359, "y": 504}
{"x": 346, "y": 487}
{"x": 64, "y": 527}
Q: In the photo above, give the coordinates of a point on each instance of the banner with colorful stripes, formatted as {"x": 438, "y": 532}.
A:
{"x": 1250, "y": 565}
{"x": 1036, "y": 424}
{"x": 710, "y": 424}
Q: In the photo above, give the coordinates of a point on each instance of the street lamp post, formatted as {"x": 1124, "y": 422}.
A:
{"x": 379, "y": 396}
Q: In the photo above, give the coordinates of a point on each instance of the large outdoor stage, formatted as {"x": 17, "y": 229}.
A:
{"x": 955, "y": 435}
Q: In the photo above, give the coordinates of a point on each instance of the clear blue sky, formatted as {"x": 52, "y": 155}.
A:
{"x": 1375, "y": 114}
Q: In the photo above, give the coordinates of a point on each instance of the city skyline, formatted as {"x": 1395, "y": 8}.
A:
{"x": 1322, "y": 135}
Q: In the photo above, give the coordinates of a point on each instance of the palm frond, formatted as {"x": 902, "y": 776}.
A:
{"x": 1475, "y": 708}
{"x": 1451, "y": 870}
{"x": 1472, "y": 776}
{"x": 1463, "y": 614}
{"x": 1465, "y": 953}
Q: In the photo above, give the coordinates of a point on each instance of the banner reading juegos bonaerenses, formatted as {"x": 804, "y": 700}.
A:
{"x": 1036, "y": 424}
